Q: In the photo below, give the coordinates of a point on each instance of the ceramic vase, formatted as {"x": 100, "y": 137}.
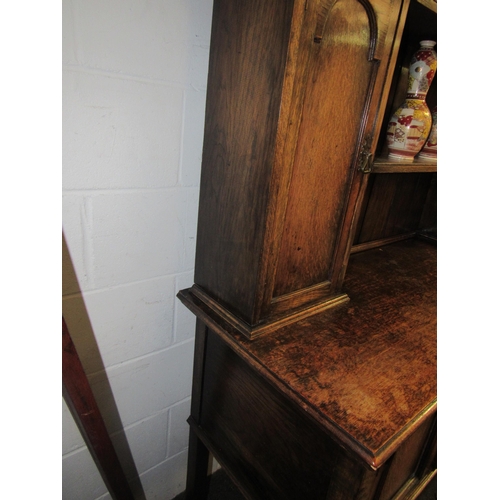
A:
{"x": 429, "y": 151}
{"x": 411, "y": 124}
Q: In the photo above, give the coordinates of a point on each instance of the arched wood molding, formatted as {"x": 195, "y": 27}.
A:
{"x": 372, "y": 21}
{"x": 325, "y": 9}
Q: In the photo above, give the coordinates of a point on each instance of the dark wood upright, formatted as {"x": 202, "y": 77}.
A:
{"x": 83, "y": 407}
{"x": 315, "y": 273}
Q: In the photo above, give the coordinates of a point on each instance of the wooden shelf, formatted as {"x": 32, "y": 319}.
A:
{"x": 384, "y": 165}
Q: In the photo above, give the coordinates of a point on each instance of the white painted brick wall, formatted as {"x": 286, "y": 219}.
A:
{"x": 134, "y": 87}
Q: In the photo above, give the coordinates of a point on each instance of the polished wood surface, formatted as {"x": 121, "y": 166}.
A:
{"x": 272, "y": 447}
{"x": 341, "y": 403}
{"x": 292, "y": 104}
{"x": 327, "y": 137}
{"x": 83, "y": 407}
{"x": 370, "y": 367}
{"x": 315, "y": 275}
{"x": 246, "y": 69}
{"x": 389, "y": 166}
{"x": 367, "y": 370}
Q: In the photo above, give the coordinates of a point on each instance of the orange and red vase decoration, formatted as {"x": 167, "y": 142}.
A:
{"x": 411, "y": 124}
{"x": 429, "y": 151}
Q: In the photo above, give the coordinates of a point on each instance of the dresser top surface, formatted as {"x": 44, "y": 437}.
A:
{"x": 366, "y": 369}
{"x": 369, "y": 366}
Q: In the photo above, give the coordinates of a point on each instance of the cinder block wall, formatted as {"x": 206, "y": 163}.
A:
{"x": 134, "y": 87}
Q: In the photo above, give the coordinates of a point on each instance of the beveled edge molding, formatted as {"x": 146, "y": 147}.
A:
{"x": 321, "y": 287}
{"x": 280, "y": 304}
{"x": 372, "y": 458}
{"x": 414, "y": 487}
{"x": 372, "y": 22}
{"x": 337, "y": 433}
{"x": 369, "y": 245}
{"x": 251, "y": 332}
{"x": 389, "y": 447}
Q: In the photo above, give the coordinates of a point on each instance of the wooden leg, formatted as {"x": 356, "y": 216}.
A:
{"x": 197, "y": 473}
{"x": 198, "y": 457}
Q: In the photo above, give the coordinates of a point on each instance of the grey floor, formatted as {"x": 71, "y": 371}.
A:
{"x": 221, "y": 488}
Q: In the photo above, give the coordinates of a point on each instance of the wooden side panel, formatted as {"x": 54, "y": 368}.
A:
{"x": 247, "y": 60}
{"x": 270, "y": 447}
{"x": 428, "y": 222}
{"x": 403, "y": 464}
{"x": 394, "y": 205}
{"x": 336, "y": 88}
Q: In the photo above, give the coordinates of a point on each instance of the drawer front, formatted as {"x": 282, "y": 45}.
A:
{"x": 271, "y": 448}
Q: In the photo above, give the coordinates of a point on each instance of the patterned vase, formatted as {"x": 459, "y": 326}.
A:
{"x": 429, "y": 151}
{"x": 411, "y": 124}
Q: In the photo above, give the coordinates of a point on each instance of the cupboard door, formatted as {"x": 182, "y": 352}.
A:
{"x": 346, "y": 56}
{"x": 331, "y": 116}
{"x": 293, "y": 88}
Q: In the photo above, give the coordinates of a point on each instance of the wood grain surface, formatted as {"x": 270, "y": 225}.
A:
{"x": 371, "y": 366}
{"x": 293, "y": 93}
{"x": 248, "y": 52}
{"x": 366, "y": 370}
